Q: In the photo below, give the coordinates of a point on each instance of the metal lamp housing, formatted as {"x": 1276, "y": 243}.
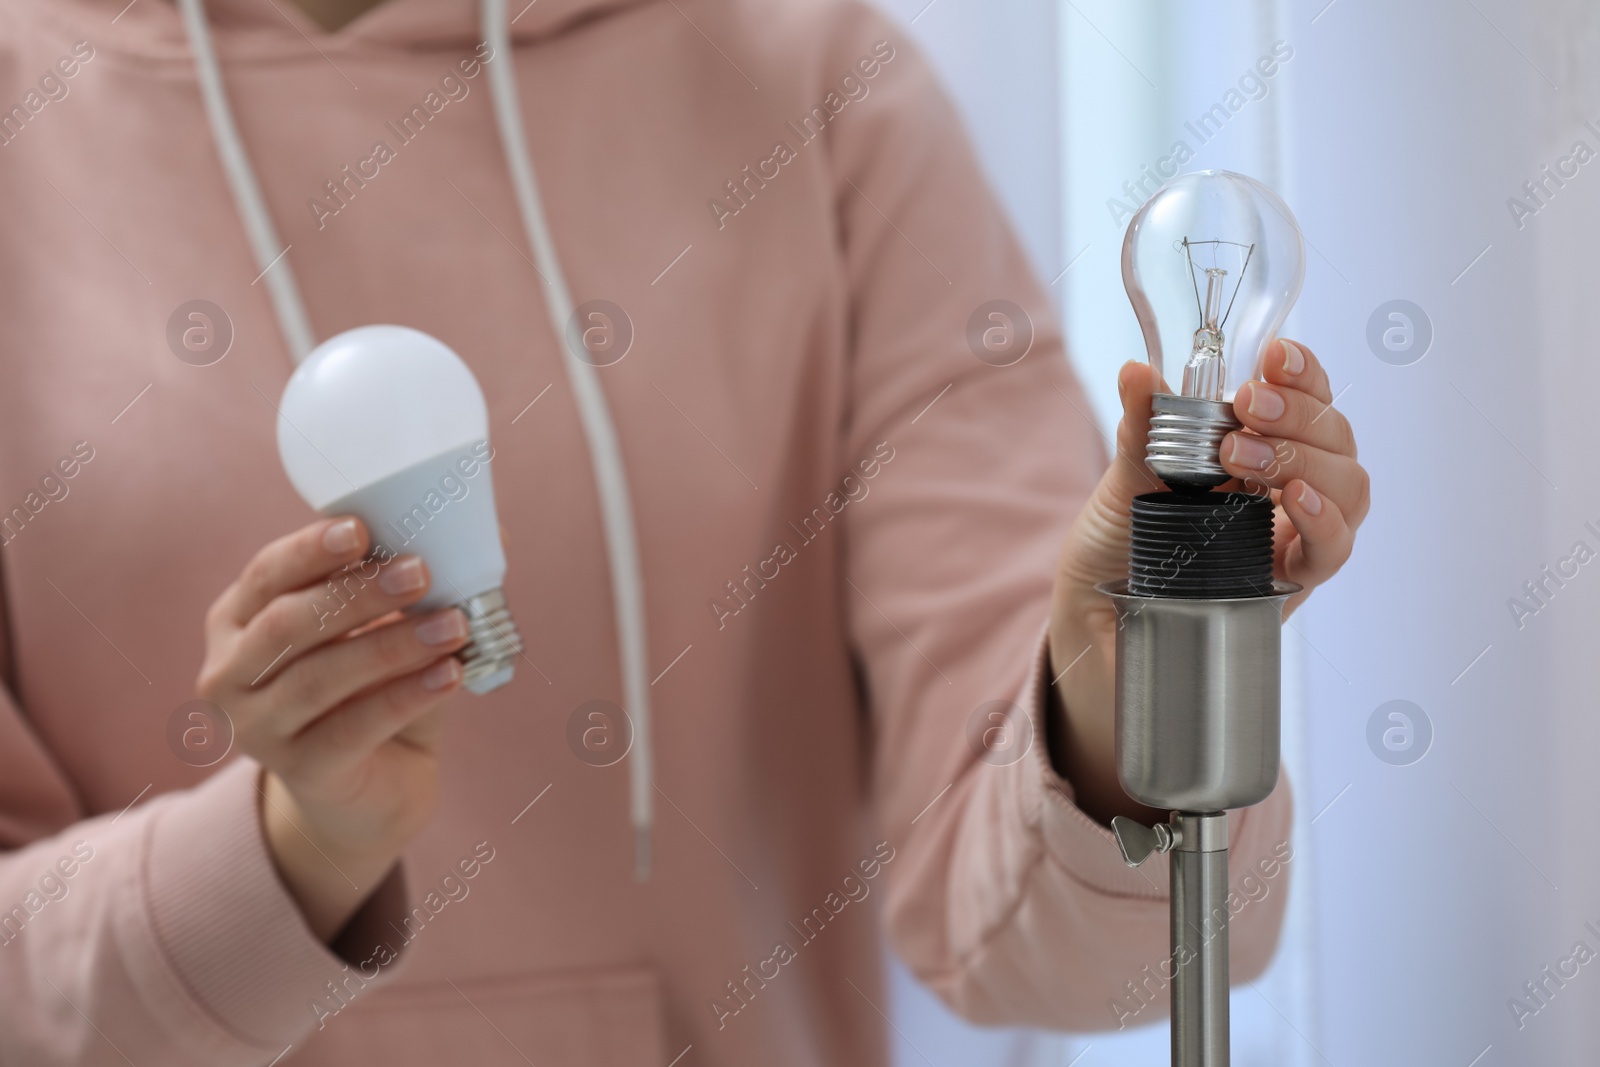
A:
{"x": 1197, "y": 707}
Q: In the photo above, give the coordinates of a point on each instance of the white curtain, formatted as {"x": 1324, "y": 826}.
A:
{"x": 1429, "y": 893}
{"x": 1547, "y": 717}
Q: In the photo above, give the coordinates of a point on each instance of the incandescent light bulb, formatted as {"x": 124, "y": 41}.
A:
{"x": 1212, "y": 264}
{"x": 388, "y": 424}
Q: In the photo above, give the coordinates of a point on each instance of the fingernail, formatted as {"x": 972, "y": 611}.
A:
{"x": 1310, "y": 500}
{"x": 342, "y": 538}
{"x": 403, "y": 576}
{"x": 1250, "y": 452}
{"x": 442, "y": 629}
{"x": 441, "y": 675}
{"x": 1265, "y": 402}
{"x": 1294, "y": 360}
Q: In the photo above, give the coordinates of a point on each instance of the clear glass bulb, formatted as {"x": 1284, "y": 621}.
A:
{"x": 388, "y": 424}
{"x": 1212, "y": 263}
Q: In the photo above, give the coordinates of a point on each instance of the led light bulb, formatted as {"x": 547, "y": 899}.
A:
{"x": 1212, "y": 264}
{"x": 388, "y": 424}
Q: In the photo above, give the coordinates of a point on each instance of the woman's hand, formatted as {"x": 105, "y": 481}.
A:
{"x": 1295, "y": 446}
{"x": 338, "y": 697}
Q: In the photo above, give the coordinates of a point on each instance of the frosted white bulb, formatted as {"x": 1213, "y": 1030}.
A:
{"x": 1212, "y": 264}
{"x": 388, "y": 424}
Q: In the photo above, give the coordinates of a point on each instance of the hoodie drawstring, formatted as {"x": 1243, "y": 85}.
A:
{"x": 605, "y": 451}
{"x": 258, "y": 227}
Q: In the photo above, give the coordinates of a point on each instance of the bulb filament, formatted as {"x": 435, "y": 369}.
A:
{"x": 1206, "y": 374}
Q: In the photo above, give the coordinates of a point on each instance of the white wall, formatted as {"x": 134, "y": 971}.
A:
{"x": 1413, "y": 124}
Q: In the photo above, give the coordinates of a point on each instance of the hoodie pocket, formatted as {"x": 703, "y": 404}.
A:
{"x": 599, "y": 1018}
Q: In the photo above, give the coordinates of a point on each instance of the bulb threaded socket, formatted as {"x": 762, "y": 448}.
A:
{"x": 1185, "y": 442}
{"x": 1200, "y": 546}
{"x": 489, "y": 657}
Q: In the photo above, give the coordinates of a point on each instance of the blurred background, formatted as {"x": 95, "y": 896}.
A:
{"x": 1443, "y": 160}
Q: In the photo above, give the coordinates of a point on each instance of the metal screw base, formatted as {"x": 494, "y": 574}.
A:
{"x": 1185, "y": 441}
{"x": 489, "y": 658}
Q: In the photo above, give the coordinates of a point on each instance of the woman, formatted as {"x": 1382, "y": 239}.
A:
{"x": 854, "y": 536}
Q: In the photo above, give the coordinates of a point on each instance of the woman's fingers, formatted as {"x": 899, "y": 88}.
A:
{"x": 1261, "y": 462}
{"x": 1325, "y": 540}
{"x": 344, "y": 737}
{"x": 328, "y": 677}
{"x": 1295, "y": 415}
{"x": 293, "y": 561}
{"x": 1292, "y": 364}
{"x": 306, "y": 619}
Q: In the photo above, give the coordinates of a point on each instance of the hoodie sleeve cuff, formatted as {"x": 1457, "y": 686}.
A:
{"x": 231, "y": 932}
{"x": 1084, "y": 848}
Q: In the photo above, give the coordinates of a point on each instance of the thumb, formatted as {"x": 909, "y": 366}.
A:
{"x": 1128, "y": 476}
{"x": 1096, "y": 549}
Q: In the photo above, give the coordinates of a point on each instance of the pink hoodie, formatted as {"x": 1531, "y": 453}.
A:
{"x": 848, "y": 525}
